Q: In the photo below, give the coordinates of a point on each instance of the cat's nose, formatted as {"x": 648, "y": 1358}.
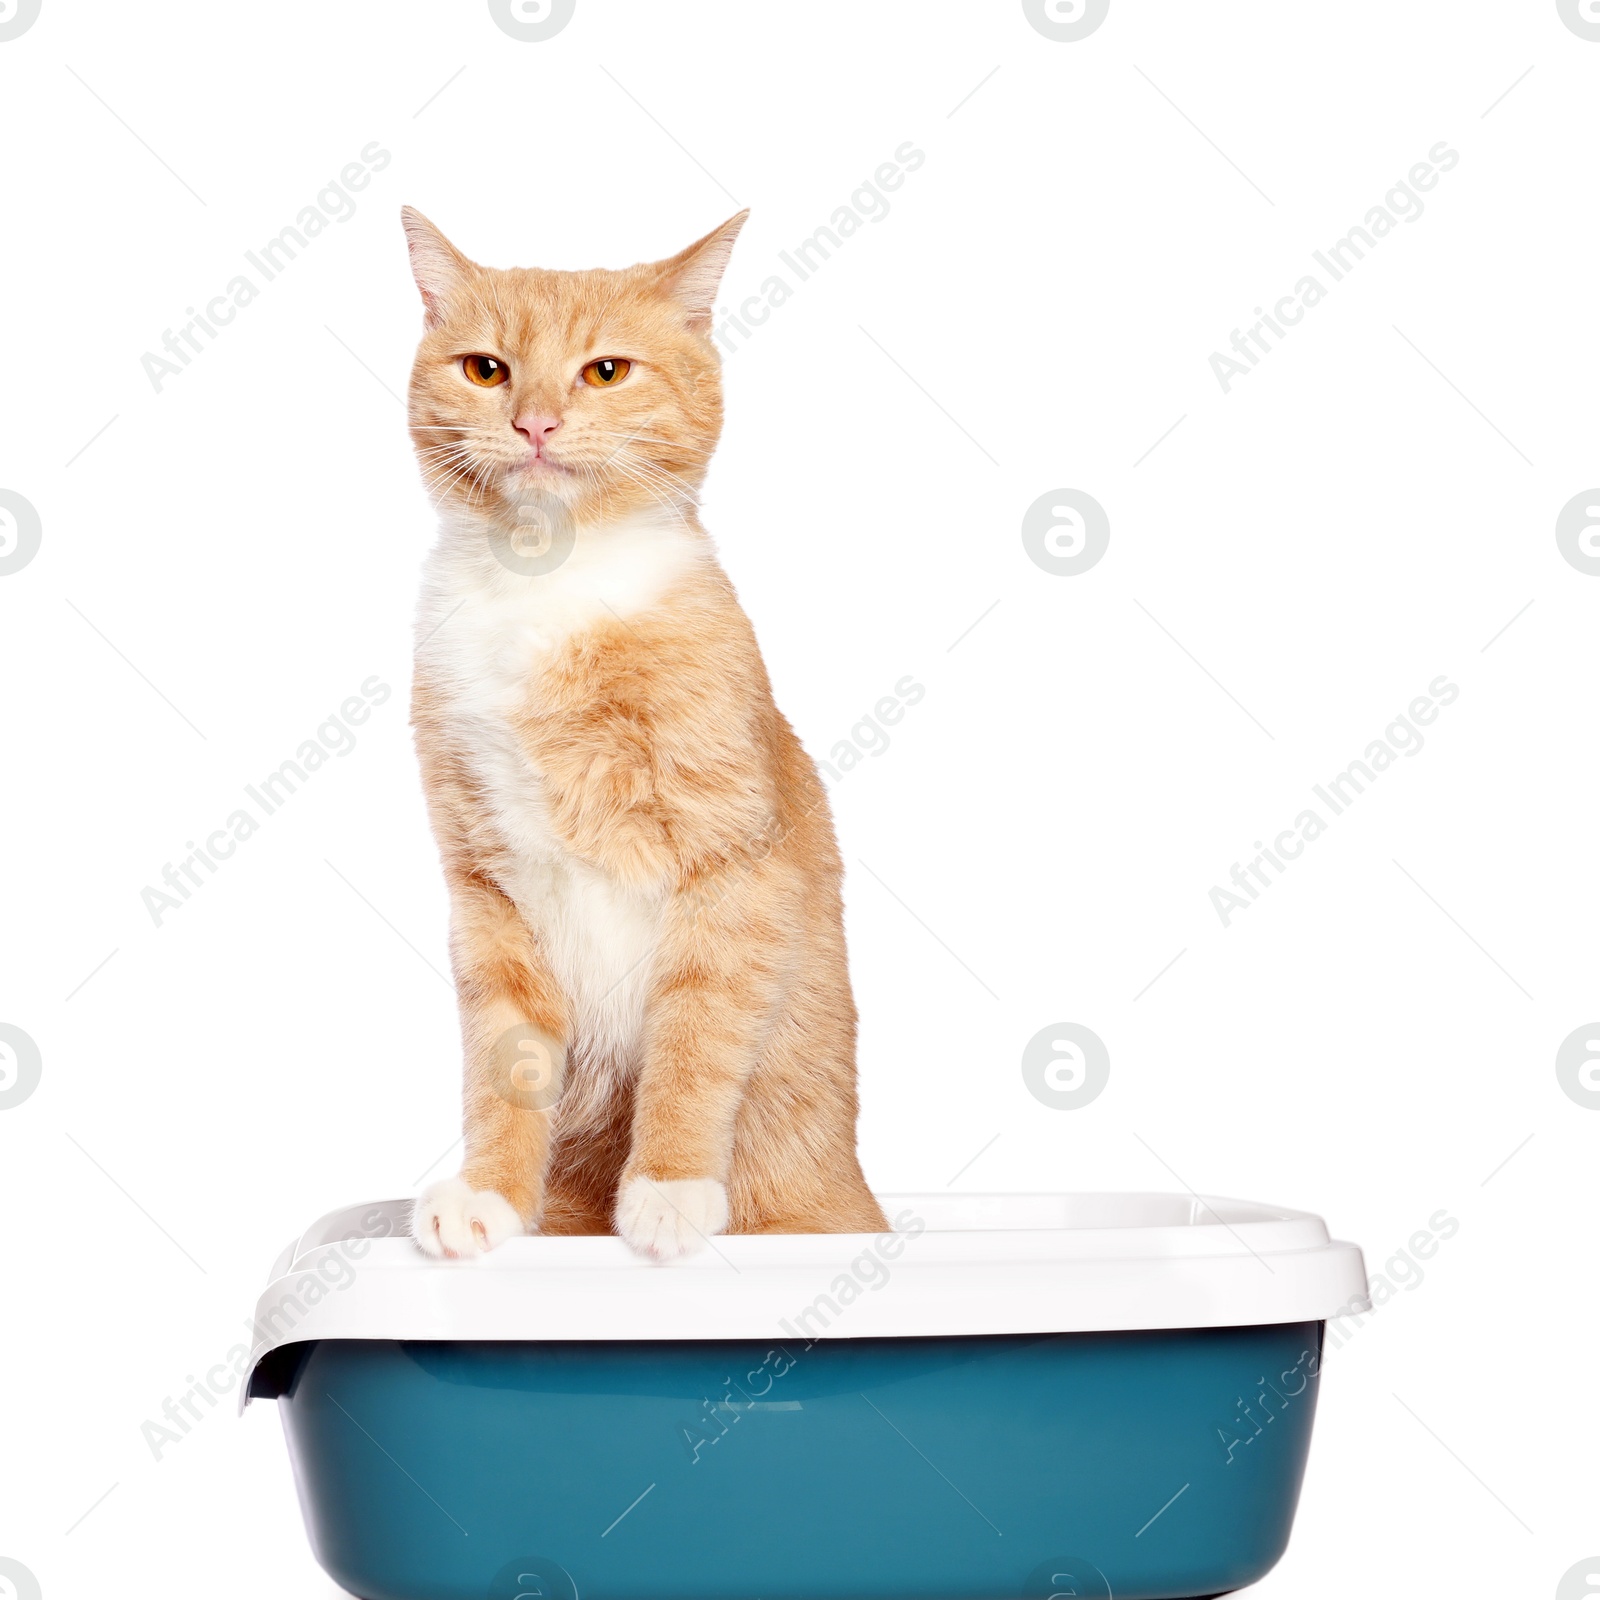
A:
{"x": 536, "y": 429}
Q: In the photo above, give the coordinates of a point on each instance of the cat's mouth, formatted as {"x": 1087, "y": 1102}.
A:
{"x": 541, "y": 466}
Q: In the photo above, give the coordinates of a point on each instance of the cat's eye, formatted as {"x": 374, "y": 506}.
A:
{"x": 609, "y": 370}
{"x": 485, "y": 371}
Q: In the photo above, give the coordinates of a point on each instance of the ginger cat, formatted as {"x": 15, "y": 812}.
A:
{"x": 646, "y": 925}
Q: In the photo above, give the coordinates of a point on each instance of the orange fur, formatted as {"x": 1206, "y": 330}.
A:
{"x": 603, "y": 760}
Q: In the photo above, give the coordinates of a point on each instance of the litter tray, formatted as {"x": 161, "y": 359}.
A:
{"x": 1009, "y": 1397}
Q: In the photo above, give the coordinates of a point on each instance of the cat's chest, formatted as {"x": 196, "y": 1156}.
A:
{"x": 487, "y": 637}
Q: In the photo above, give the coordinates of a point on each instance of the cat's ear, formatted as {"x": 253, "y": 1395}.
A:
{"x": 439, "y": 268}
{"x": 692, "y": 276}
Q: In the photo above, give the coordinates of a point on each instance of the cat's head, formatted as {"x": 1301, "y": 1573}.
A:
{"x": 597, "y": 391}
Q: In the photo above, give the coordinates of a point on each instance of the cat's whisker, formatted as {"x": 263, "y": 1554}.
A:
{"x": 649, "y": 438}
{"x": 674, "y": 510}
{"x": 649, "y": 472}
{"x": 619, "y": 466}
{"x": 453, "y": 465}
{"x": 450, "y": 470}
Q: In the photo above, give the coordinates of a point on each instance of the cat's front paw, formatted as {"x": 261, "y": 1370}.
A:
{"x": 451, "y": 1218}
{"x": 673, "y": 1217}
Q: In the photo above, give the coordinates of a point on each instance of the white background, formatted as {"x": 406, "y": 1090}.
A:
{"x": 1293, "y": 562}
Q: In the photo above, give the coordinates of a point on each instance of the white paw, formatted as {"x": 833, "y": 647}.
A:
{"x": 451, "y": 1218}
{"x": 671, "y": 1218}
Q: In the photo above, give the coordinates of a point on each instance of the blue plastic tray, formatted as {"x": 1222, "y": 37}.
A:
{"x": 1138, "y": 1466}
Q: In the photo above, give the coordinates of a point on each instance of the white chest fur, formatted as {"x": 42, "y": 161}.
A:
{"x": 484, "y": 636}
